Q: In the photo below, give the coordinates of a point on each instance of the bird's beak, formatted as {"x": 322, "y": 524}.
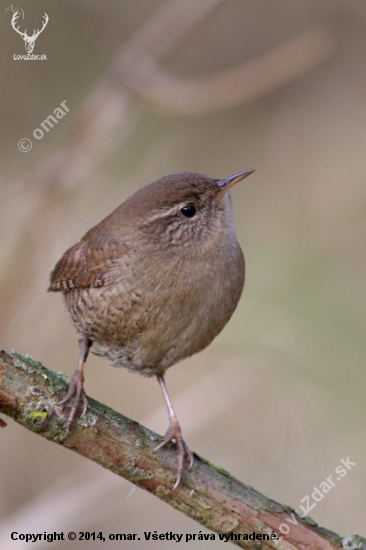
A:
{"x": 226, "y": 183}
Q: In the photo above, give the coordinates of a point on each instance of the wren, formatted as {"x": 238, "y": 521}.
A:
{"x": 154, "y": 283}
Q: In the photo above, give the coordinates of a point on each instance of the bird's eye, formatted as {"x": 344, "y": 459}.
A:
{"x": 188, "y": 211}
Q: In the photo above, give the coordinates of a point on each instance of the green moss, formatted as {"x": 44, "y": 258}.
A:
{"x": 135, "y": 474}
{"x": 217, "y": 468}
{"x": 163, "y": 493}
{"x": 353, "y": 542}
{"x": 27, "y": 363}
{"x": 37, "y": 414}
{"x": 57, "y": 383}
{"x": 309, "y": 521}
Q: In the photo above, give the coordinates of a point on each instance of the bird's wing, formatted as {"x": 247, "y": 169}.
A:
{"x": 88, "y": 264}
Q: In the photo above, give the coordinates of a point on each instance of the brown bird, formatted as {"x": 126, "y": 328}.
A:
{"x": 154, "y": 283}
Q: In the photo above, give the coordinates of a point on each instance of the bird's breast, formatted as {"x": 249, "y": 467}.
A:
{"x": 162, "y": 310}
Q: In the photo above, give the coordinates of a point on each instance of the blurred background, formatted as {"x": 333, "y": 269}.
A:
{"x": 215, "y": 86}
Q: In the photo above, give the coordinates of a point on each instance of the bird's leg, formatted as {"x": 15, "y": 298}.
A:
{"x": 174, "y": 432}
{"x": 76, "y": 387}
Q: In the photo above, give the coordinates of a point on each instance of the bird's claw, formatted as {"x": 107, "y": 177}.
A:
{"x": 174, "y": 432}
{"x": 77, "y": 393}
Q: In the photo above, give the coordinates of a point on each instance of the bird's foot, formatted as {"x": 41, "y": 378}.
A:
{"x": 77, "y": 393}
{"x": 174, "y": 432}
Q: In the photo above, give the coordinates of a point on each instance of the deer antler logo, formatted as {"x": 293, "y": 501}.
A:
{"x": 29, "y": 41}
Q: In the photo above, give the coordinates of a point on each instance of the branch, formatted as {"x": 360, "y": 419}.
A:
{"x": 29, "y": 393}
{"x": 235, "y": 86}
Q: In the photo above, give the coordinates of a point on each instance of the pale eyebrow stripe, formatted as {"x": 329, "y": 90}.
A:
{"x": 165, "y": 213}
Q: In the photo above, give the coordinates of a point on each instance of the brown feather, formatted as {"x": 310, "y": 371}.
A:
{"x": 87, "y": 264}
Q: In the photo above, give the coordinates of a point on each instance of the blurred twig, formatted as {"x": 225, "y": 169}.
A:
{"x": 29, "y": 392}
{"x": 238, "y": 85}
